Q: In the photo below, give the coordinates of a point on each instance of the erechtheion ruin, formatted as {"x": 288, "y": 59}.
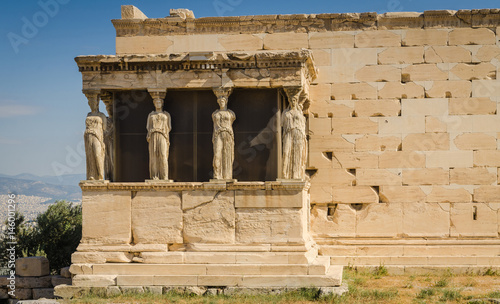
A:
{"x": 271, "y": 151}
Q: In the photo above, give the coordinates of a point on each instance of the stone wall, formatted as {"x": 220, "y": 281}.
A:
{"x": 403, "y": 123}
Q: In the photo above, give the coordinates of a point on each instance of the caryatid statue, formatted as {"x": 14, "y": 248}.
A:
{"x": 95, "y": 127}
{"x": 223, "y": 136}
{"x": 294, "y": 136}
{"x": 107, "y": 98}
{"x": 159, "y": 126}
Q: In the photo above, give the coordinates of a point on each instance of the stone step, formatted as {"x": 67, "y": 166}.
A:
{"x": 319, "y": 267}
{"x": 188, "y": 257}
{"x": 416, "y": 260}
{"x": 332, "y": 278}
{"x": 424, "y": 250}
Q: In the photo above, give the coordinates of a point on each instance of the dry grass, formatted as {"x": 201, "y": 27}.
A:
{"x": 364, "y": 287}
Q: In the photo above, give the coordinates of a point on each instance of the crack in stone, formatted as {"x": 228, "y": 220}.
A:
{"x": 205, "y": 203}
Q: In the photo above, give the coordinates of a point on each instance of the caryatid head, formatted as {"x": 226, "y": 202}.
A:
{"x": 93, "y": 99}
{"x": 222, "y": 94}
{"x": 158, "y": 104}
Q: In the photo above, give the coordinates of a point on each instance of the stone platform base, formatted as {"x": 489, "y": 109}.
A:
{"x": 66, "y": 291}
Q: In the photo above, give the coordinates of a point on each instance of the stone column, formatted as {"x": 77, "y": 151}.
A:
{"x": 294, "y": 138}
{"x": 95, "y": 128}
{"x": 109, "y": 163}
{"x": 158, "y": 126}
{"x": 223, "y": 136}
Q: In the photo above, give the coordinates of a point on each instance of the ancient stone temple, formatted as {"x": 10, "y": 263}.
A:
{"x": 271, "y": 151}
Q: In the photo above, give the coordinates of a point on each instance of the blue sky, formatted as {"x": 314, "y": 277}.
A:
{"x": 42, "y": 109}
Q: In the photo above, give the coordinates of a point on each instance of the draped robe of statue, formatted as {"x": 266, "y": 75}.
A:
{"x": 223, "y": 143}
{"x": 294, "y": 143}
{"x": 95, "y": 149}
{"x": 158, "y": 126}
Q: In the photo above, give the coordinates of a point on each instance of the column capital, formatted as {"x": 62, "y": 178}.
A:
{"x": 294, "y": 94}
{"x": 157, "y": 93}
{"x": 92, "y": 94}
{"x": 107, "y": 99}
{"x": 222, "y": 91}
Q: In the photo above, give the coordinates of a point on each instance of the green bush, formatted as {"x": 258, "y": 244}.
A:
{"x": 59, "y": 230}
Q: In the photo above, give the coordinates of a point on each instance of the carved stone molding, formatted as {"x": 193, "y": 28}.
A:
{"x": 157, "y": 93}
{"x": 184, "y": 186}
{"x": 107, "y": 99}
{"x": 93, "y": 96}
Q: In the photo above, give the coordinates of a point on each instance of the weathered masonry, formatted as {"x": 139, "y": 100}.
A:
{"x": 398, "y": 165}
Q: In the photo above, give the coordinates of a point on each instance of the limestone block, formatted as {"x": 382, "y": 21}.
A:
{"x": 402, "y": 194}
{"x": 435, "y": 124}
{"x": 347, "y": 91}
{"x": 426, "y": 142}
{"x": 485, "y": 88}
{"x": 269, "y": 199}
{"x": 428, "y": 106}
{"x": 334, "y": 108}
{"x": 337, "y": 74}
{"x": 379, "y": 73}
{"x": 447, "y": 54}
{"x": 157, "y": 217}
{"x": 106, "y": 217}
{"x": 340, "y": 222}
{"x": 286, "y": 41}
{"x": 458, "y": 123}
{"x": 23, "y": 294}
{"x": 320, "y": 193}
{"x": 269, "y": 225}
{"x": 211, "y": 219}
{"x": 486, "y": 123}
{"x": 330, "y": 40}
{"x": 424, "y": 72}
{"x": 399, "y": 55}
{"x": 354, "y": 195}
{"x": 355, "y": 57}
{"x": 32, "y": 267}
{"x": 195, "y": 43}
{"x": 59, "y": 280}
{"x": 101, "y": 257}
{"x": 169, "y": 280}
{"x": 472, "y": 106}
{"x": 45, "y": 293}
{"x": 380, "y": 220}
{"x": 132, "y": 12}
{"x": 82, "y": 280}
{"x": 440, "y": 194}
{"x": 241, "y": 42}
{"x": 449, "y": 159}
{"x": 401, "y": 159}
{"x": 377, "y": 107}
{"x": 490, "y": 158}
{"x": 402, "y": 125}
{"x": 379, "y": 38}
{"x": 426, "y": 220}
{"x": 65, "y": 272}
{"x": 320, "y": 125}
{"x": 487, "y": 194}
{"x": 322, "y": 57}
{"x": 332, "y": 177}
{"x": 351, "y": 160}
{"x": 431, "y": 176}
{"x": 142, "y": 45}
{"x": 425, "y": 37}
{"x": 320, "y": 92}
{"x": 488, "y": 52}
{"x": 468, "y": 36}
{"x": 484, "y": 70}
{"x": 472, "y": 176}
{"x": 377, "y": 143}
{"x": 401, "y": 90}
{"x": 162, "y": 257}
{"x": 34, "y": 282}
{"x": 334, "y": 142}
{"x": 354, "y": 125}
{"x": 473, "y": 220}
{"x": 377, "y": 177}
{"x": 440, "y": 89}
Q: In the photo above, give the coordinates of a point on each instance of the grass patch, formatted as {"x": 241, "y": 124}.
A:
{"x": 494, "y": 294}
{"x": 442, "y": 283}
{"x": 426, "y": 293}
{"x": 450, "y": 295}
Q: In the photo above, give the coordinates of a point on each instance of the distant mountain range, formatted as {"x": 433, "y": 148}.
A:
{"x": 54, "y": 187}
